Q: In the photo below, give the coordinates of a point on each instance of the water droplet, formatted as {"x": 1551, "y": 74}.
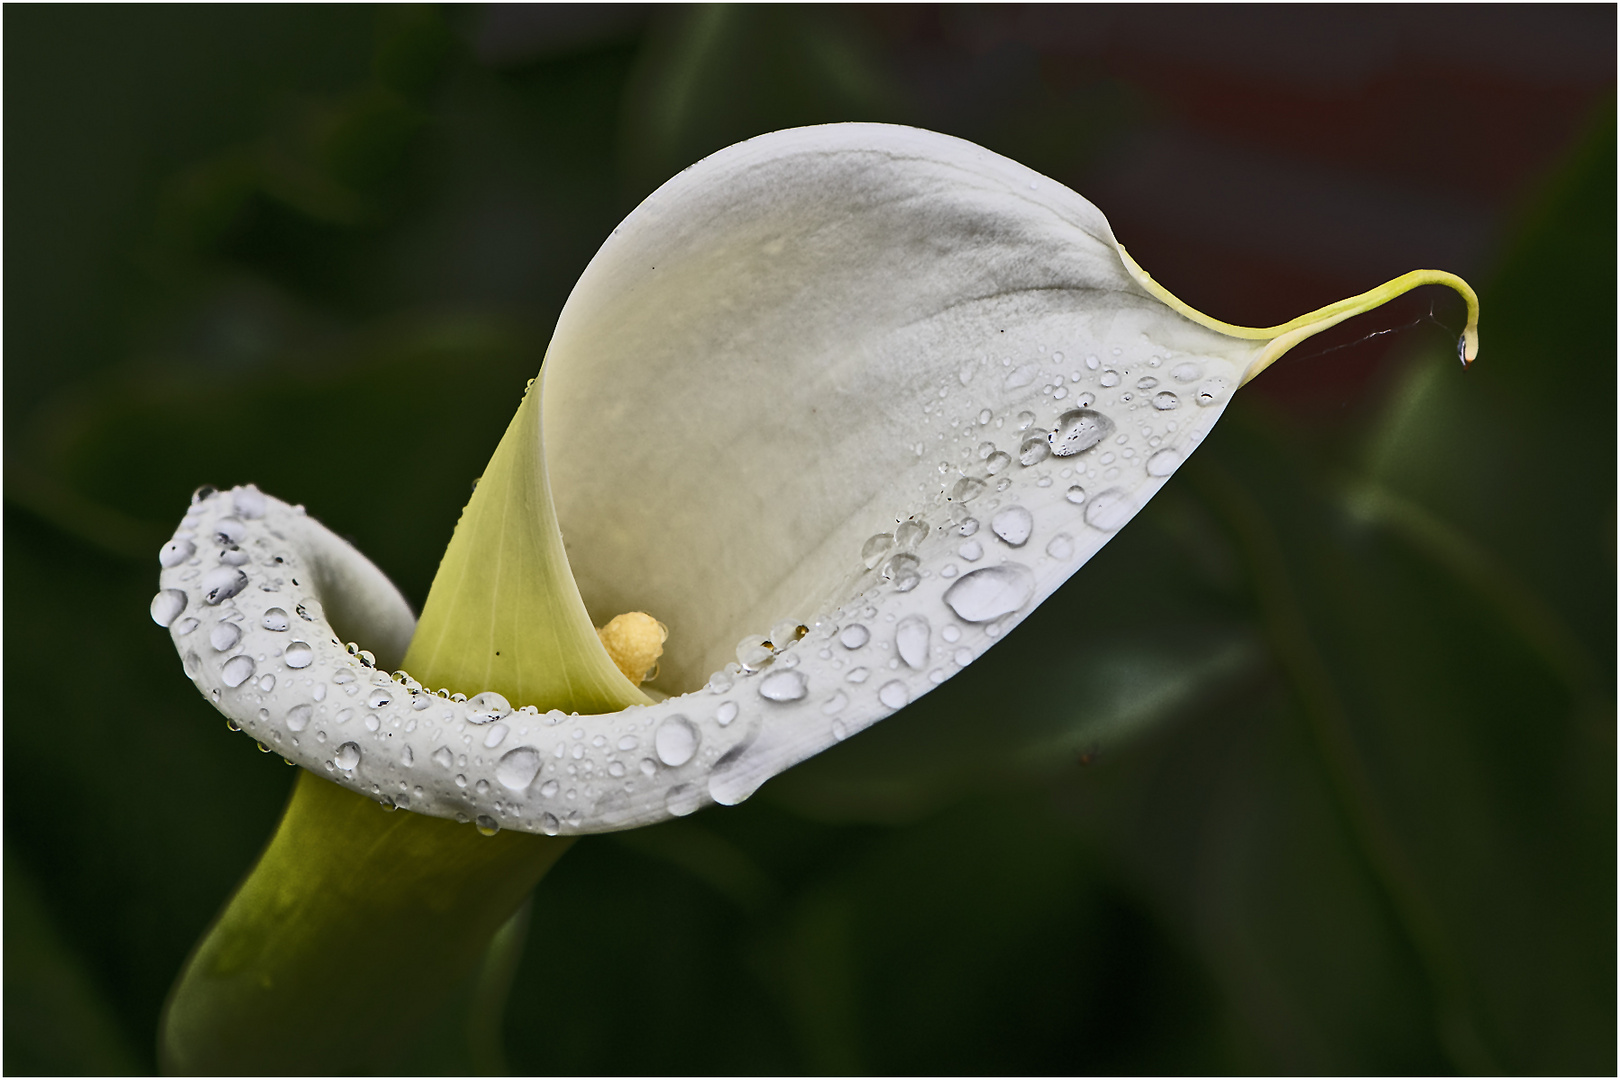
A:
{"x": 997, "y": 462}
{"x": 185, "y": 626}
{"x": 347, "y": 756}
{"x": 517, "y": 768}
{"x": 1013, "y": 525}
{"x": 267, "y": 683}
{"x": 894, "y": 695}
{"x": 839, "y": 731}
{"x": 1079, "y": 430}
{"x": 1146, "y": 382}
{"x": 377, "y": 699}
{"x": 222, "y": 583}
{"x": 495, "y": 736}
{"x": 486, "y": 825}
{"x": 224, "y": 636}
{"x": 1061, "y": 547}
{"x": 249, "y": 501}
{"x": 549, "y": 824}
{"x": 175, "y": 552}
{"x": 229, "y": 531}
{"x": 984, "y": 417}
{"x": 965, "y": 374}
{"x": 1211, "y": 392}
{"x": 1025, "y": 419}
{"x": 834, "y": 703}
{"x": 911, "y": 640}
{"x": 1021, "y": 376}
{"x": 206, "y": 491}
{"x": 486, "y": 708}
{"x": 276, "y": 619}
{"x": 167, "y": 606}
{"x": 875, "y": 548}
{"x": 1185, "y": 373}
{"x": 753, "y": 653}
{"x": 991, "y": 592}
{"x": 967, "y": 489}
{"x": 854, "y": 636}
{"x": 676, "y": 740}
{"x": 910, "y": 534}
{"x": 783, "y": 686}
{"x": 1163, "y": 463}
{"x": 298, "y": 716}
{"x": 1109, "y": 378}
{"x": 234, "y": 556}
{"x": 407, "y": 759}
{"x": 857, "y": 675}
{"x": 951, "y": 633}
{"x": 1164, "y": 401}
{"x": 298, "y": 654}
{"x": 972, "y": 551}
{"x": 968, "y": 527}
{"x": 548, "y": 790}
{"x": 1109, "y": 510}
{"x": 443, "y": 758}
{"x": 726, "y": 713}
{"x": 1034, "y": 450}
{"x": 1075, "y": 494}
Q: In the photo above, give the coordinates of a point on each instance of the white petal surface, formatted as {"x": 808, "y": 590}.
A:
{"x": 875, "y": 380}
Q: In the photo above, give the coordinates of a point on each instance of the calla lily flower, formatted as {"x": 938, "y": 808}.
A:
{"x": 836, "y": 408}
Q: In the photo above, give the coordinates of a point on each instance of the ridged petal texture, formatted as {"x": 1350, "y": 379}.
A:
{"x": 866, "y": 393}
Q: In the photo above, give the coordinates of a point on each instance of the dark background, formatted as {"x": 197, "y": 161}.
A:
{"x": 1312, "y": 770}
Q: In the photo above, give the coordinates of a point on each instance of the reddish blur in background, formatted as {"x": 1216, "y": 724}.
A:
{"x": 1310, "y": 771}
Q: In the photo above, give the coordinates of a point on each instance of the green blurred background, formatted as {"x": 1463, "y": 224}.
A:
{"x": 1311, "y": 770}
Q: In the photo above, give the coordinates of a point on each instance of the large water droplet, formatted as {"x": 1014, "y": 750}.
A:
{"x": 1013, "y": 525}
{"x": 298, "y": 654}
{"x": 517, "y": 768}
{"x": 1164, "y": 401}
{"x": 910, "y": 534}
{"x": 229, "y": 531}
{"x": 167, "y": 606}
{"x": 222, "y": 583}
{"x": 276, "y": 619}
{"x": 894, "y": 694}
{"x": 1079, "y": 430}
{"x": 486, "y": 708}
{"x": 1163, "y": 463}
{"x": 911, "y": 640}
{"x": 347, "y": 756}
{"x": 298, "y": 716}
{"x": 991, "y": 592}
{"x": 676, "y": 740}
{"x": 237, "y": 670}
{"x": 854, "y": 636}
{"x": 753, "y": 653}
{"x": 875, "y": 548}
{"x": 443, "y": 758}
{"x": 997, "y": 462}
{"x": 175, "y": 552}
{"x": 783, "y": 686}
{"x": 1061, "y": 547}
{"x": 1109, "y": 510}
{"x": 224, "y": 636}
{"x": 234, "y": 556}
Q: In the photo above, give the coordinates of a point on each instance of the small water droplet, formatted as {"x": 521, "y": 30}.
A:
{"x": 175, "y": 552}
{"x": 548, "y": 790}
{"x": 486, "y": 708}
{"x": 1163, "y": 463}
{"x": 1164, "y": 401}
{"x": 347, "y": 756}
{"x": 683, "y": 799}
{"x": 206, "y": 491}
{"x": 167, "y": 606}
{"x": 1075, "y": 494}
{"x": 967, "y": 489}
{"x": 1185, "y": 373}
{"x": 298, "y": 654}
{"x": 1211, "y": 392}
{"x": 1021, "y": 376}
{"x": 894, "y": 694}
{"x": 1109, "y": 378}
{"x": 1013, "y": 525}
{"x": 911, "y": 640}
{"x": 1146, "y": 382}
{"x": 486, "y": 825}
{"x": 1079, "y": 430}
{"x": 229, "y": 531}
{"x": 249, "y": 501}
{"x": 1034, "y": 450}
{"x": 783, "y": 686}
{"x": 1025, "y": 419}
{"x": 1109, "y": 510}
{"x": 276, "y": 619}
{"x": 443, "y": 758}
{"x": 972, "y": 551}
{"x": 517, "y": 768}
{"x": 549, "y": 824}
{"x": 185, "y": 626}
{"x": 857, "y": 675}
{"x": 378, "y": 698}
{"x": 753, "y": 652}
{"x": 1061, "y": 547}
{"x": 834, "y": 703}
{"x": 984, "y": 417}
{"x": 991, "y": 592}
{"x": 298, "y": 716}
{"x": 726, "y": 713}
{"x": 676, "y": 740}
{"x": 495, "y": 736}
{"x": 910, "y": 534}
{"x": 854, "y": 636}
{"x": 997, "y": 462}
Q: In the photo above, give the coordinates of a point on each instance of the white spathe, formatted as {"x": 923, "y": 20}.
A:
{"x": 871, "y": 379}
